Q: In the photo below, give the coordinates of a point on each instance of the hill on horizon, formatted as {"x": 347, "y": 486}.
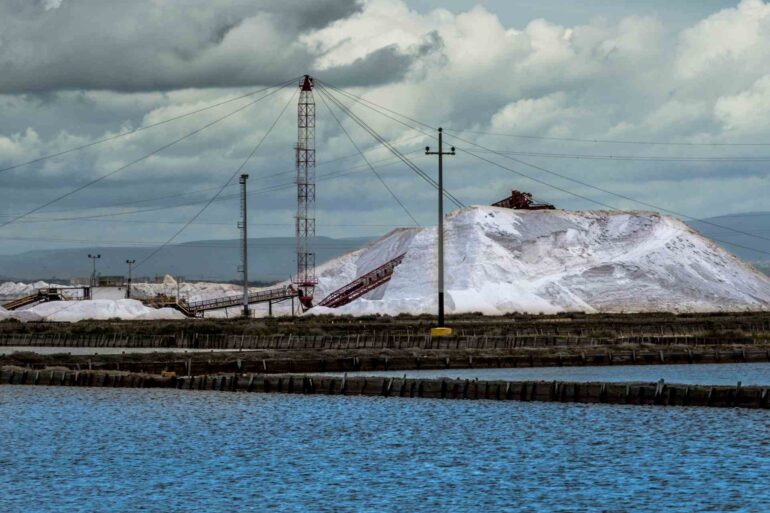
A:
{"x": 270, "y": 259}
{"x": 757, "y": 224}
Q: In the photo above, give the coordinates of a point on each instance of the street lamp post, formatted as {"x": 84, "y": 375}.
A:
{"x": 94, "y": 258}
{"x": 130, "y": 266}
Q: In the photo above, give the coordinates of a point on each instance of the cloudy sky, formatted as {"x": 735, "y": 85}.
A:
{"x": 566, "y": 95}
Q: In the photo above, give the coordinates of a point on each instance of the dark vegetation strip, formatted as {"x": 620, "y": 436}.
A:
{"x": 313, "y": 361}
{"x": 553, "y": 391}
{"x": 384, "y": 340}
{"x": 608, "y": 326}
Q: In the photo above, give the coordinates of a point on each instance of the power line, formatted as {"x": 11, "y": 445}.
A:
{"x": 643, "y": 158}
{"x": 154, "y": 222}
{"x": 145, "y": 127}
{"x": 606, "y": 191}
{"x": 606, "y": 141}
{"x": 224, "y": 244}
{"x": 401, "y": 204}
{"x": 271, "y": 188}
{"x": 363, "y": 101}
{"x": 561, "y": 176}
{"x": 379, "y": 138}
{"x": 140, "y": 159}
{"x": 208, "y": 189}
{"x": 215, "y": 196}
{"x": 363, "y": 124}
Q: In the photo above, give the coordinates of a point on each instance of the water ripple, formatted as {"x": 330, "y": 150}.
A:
{"x": 122, "y": 450}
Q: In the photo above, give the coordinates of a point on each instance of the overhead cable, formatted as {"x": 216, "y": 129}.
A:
{"x": 368, "y": 103}
{"x": 141, "y": 128}
{"x": 140, "y": 159}
{"x": 222, "y": 188}
{"x": 371, "y": 167}
{"x": 382, "y": 140}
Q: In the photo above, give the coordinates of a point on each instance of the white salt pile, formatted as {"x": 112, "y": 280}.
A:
{"x": 12, "y": 289}
{"x": 99, "y": 309}
{"x": 500, "y": 260}
{"x": 190, "y": 291}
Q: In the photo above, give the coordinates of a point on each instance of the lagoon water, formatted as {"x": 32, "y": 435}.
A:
{"x": 124, "y": 450}
{"x": 702, "y": 374}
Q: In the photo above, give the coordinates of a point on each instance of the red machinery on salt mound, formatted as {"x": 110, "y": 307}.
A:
{"x": 522, "y": 201}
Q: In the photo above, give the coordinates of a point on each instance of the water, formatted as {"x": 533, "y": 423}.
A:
{"x": 700, "y": 374}
{"x": 126, "y": 450}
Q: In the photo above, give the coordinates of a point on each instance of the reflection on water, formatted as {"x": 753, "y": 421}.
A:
{"x": 69, "y": 449}
{"x": 705, "y": 374}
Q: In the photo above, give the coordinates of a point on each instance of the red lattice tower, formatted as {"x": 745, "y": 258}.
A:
{"x": 305, "y": 279}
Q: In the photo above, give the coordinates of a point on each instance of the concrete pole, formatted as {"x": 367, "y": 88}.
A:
{"x": 244, "y": 246}
{"x": 440, "y": 227}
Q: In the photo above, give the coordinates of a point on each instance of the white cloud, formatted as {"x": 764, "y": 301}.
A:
{"x": 634, "y": 79}
{"x": 732, "y": 41}
{"x": 51, "y": 4}
{"x": 531, "y": 116}
{"x": 748, "y": 111}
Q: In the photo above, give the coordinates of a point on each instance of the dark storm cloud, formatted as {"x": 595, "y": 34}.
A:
{"x": 381, "y": 66}
{"x": 385, "y": 65}
{"x": 142, "y": 45}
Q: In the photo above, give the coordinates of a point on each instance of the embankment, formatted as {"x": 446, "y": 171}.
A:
{"x": 312, "y": 361}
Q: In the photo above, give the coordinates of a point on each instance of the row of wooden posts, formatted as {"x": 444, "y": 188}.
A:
{"x": 351, "y": 341}
{"x": 658, "y": 393}
{"x": 197, "y": 363}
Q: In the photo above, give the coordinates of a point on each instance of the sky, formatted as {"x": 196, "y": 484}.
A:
{"x": 561, "y": 98}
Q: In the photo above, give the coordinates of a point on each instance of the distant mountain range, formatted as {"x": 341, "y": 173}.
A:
{"x": 272, "y": 259}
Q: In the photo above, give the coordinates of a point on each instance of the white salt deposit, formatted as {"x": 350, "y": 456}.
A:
{"x": 99, "y": 309}
{"x": 197, "y": 291}
{"x": 12, "y": 289}
{"x": 500, "y": 260}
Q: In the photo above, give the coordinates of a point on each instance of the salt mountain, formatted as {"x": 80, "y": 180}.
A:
{"x": 500, "y": 260}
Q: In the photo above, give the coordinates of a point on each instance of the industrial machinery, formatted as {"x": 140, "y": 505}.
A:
{"x": 47, "y": 294}
{"x": 522, "y": 201}
{"x": 305, "y": 280}
{"x": 198, "y": 308}
{"x": 362, "y": 284}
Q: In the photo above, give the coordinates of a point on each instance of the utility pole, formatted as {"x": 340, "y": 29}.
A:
{"x": 94, "y": 258}
{"x": 441, "y": 330}
{"x": 243, "y": 225}
{"x": 130, "y": 266}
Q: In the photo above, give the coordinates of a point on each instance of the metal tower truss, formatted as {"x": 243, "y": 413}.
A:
{"x": 305, "y": 279}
